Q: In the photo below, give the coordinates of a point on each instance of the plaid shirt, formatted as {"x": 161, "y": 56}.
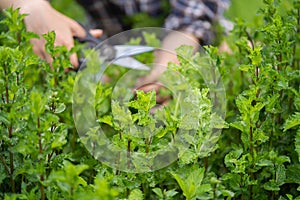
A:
{"x": 192, "y": 16}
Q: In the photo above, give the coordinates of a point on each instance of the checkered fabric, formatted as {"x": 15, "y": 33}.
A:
{"x": 192, "y": 16}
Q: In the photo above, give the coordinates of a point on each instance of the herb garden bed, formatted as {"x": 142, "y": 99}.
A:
{"x": 256, "y": 155}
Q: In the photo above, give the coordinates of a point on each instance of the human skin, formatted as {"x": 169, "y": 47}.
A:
{"x": 42, "y": 18}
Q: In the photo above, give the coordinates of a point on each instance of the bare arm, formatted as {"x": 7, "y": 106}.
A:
{"x": 8, "y": 3}
{"x": 194, "y": 19}
{"x": 167, "y": 54}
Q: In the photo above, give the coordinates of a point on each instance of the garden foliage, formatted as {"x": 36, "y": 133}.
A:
{"x": 256, "y": 156}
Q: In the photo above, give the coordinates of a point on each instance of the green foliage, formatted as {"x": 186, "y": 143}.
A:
{"x": 70, "y": 8}
{"x": 256, "y": 157}
{"x": 191, "y": 185}
{"x": 143, "y": 19}
{"x": 265, "y": 107}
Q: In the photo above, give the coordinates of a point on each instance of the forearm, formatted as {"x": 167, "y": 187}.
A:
{"x": 8, "y": 3}
{"x": 167, "y": 54}
{"x": 172, "y": 42}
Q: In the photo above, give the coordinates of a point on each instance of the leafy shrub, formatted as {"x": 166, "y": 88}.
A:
{"x": 256, "y": 157}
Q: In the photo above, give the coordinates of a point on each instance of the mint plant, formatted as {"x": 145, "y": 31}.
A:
{"x": 262, "y": 160}
{"x": 253, "y": 154}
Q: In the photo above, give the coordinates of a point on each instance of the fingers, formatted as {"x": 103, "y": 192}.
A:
{"x": 96, "y": 32}
{"x": 64, "y": 37}
{"x": 73, "y": 58}
{"x": 78, "y": 31}
{"x": 39, "y": 49}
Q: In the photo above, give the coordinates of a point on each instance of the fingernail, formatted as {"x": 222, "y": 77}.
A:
{"x": 74, "y": 60}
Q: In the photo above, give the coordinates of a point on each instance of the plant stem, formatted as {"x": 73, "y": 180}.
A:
{"x": 147, "y": 146}
{"x": 118, "y": 162}
{"x": 252, "y": 157}
{"x": 91, "y": 176}
{"x": 118, "y": 155}
{"x": 279, "y": 68}
{"x": 48, "y": 162}
{"x": 10, "y": 135}
{"x": 250, "y": 39}
{"x": 39, "y": 135}
{"x": 177, "y": 105}
{"x": 257, "y": 73}
{"x": 241, "y": 186}
{"x": 145, "y": 190}
{"x": 5, "y": 165}
{"x": 11, "y": 163}
{"x": 42, "y": 187}
{"x": 128, "y": 154}
{"x": 214, "y": 191}
{"x": 251, "y": 142}
{"x": 272, "y": 131}
{"x": 175, "y": 114}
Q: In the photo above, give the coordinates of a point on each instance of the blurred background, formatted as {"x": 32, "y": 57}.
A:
{"x": 242, "y": 9}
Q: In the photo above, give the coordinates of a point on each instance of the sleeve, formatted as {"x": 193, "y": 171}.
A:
{"x": 197, "y": 17}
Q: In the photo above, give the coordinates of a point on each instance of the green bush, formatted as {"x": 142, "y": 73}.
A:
{"x": 256, "y": 157}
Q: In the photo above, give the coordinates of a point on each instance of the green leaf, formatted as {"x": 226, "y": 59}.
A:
{"x": 196, "y": 176}
{"x": 121, "y": 115}
{"x": 107, "y": 119}
{"x": 243, "y": 104}
{"x": 271, "y": 103}
{"x": 190, "y": 181}
{"x": 282, "y": 159}
{"x": 158, "y": 192}
{"x": 204, "y": 188}
{"x": 264, "y": 163}
{"x": 292, "y": 174}
{"x": 184, "y": 52}
{"x": 50, "y": 39}
{"x": 240, "y": 125}
{"x": 245, "y": 68}
{"x": 232, "y": 157}
{"x": 74, "y": 169}
{"x": 38, "y": 102}
{"x": 289, "y": 196}
{"x": 297, "y": 143}
{"x": 255, "y": 111}
{"x": 103, "y": 191}
{"x": 228, "y": 193}
{"x": 60, "y": 140}
{"x": 3, "y": 118}
{"x": 61, "y": 108}
{"x": 292, "y": 121}
{"x": 171, "y": 193}
{"x": 260, "y": 136}
{"x": 143, "y": 103}
{"x": 136, "y": 194}
{"x": 280, "y": 174}
{"x": 271, "y": 186}
{"x": 255, "y": 56}
{"x": 151, "y": 39}
{"x": 135, "y": 41}
{"x": 181, "y": 183}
